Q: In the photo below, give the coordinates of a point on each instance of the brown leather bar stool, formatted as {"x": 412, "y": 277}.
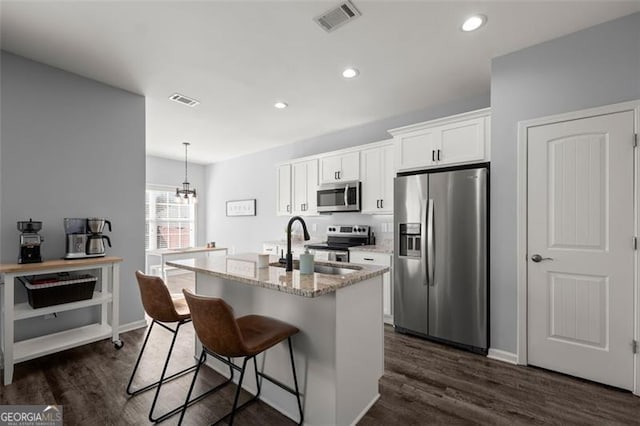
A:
{"x": 223, "y": 335}
{"x": 162, "y": 309}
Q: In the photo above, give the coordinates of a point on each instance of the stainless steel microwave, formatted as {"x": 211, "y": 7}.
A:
{"x": 339, "y": 197}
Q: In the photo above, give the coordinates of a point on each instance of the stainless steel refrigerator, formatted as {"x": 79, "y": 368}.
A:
{"x": 440, "y": 256}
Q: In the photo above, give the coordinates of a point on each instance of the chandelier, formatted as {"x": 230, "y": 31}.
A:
{"x": 186, "y": 194}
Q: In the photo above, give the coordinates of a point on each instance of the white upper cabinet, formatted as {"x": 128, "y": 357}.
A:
{"x": 377, "y": 179}
{"x": 341, "y": 167}
{"x": 284, "y": 190}
{"x": 459, "y": 139}
{"x": 305, "y": 186}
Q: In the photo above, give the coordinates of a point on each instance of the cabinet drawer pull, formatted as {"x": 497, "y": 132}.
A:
{"x": 368, "y": 258}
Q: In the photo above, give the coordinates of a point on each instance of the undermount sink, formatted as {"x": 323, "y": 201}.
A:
{"x": 322, "y": 269}
{"x": 332, "y": 270}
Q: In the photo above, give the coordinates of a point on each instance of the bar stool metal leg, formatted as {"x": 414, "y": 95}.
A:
{"x": 188, "y": 402}
{"x": 131, "y": 392}
{"x": 238, "y": 389}
{"x": 295, "y": 380}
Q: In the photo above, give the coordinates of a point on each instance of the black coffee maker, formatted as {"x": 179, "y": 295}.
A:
{"x": 30, "y": 241}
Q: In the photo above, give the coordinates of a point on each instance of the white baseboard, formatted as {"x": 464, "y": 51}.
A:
{"x": 367, "y": 408}
{"x": 503, "y": 356}
{"x": 132, "y": 326}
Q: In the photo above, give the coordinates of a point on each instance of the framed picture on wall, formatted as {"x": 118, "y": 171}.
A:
{"x": 241, "y": 207}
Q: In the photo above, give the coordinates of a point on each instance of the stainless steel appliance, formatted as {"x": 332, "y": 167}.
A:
{"x": 95, "y": 244}
{"x": 84, "y": 237}
{"x": 339, "y": 239}
{"x": 96, "y": 225}
{"x": 95, "y": 239}
{"x": 339, "y": 197}
{"x": 75, "y": 229}
{"x": 30, "y": 241}
{"x": 440, "y": 256}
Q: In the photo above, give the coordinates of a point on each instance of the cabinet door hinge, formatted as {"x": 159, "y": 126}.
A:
{"x": 634, "y": 346}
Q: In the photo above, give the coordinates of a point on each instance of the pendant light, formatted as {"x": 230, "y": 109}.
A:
{"x": 186, "y": 194}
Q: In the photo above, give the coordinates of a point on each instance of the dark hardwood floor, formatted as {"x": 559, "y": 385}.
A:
{"x": 424, "y": 383}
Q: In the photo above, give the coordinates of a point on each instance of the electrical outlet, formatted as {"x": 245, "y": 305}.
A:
{"x": 314, "y": 227}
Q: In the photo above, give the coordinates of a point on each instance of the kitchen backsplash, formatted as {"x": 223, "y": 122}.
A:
{"x": 381, "y": 226}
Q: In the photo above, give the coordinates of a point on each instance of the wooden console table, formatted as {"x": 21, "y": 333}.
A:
{"x": 107, "y": 297}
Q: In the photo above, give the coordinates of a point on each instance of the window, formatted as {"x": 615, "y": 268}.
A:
{"x": 168, "y": 223}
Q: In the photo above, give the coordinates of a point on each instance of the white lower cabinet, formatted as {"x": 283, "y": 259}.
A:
{"x": 380, "y": 259}
{"x": 280, "y": 250}
{"x": 268, "y": 248}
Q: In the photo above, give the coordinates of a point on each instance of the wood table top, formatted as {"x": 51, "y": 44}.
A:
{"x": 57, "y": 263}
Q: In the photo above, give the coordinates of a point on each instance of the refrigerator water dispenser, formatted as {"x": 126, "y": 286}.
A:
{"x": 410, "y": 240}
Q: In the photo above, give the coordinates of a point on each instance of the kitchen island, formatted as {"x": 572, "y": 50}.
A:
{"x": 339, "y": 351}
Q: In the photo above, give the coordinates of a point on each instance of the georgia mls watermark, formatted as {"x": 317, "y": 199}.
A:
{"x": 30, "y": 415}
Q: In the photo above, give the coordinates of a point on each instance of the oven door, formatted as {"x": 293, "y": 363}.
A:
{"x": 339, "y": 197}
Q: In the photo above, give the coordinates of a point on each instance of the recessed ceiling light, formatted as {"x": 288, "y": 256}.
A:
{"x": 281, "y": 105}
{"x": 350, "y": 73}
{"x": 474, "y": 22}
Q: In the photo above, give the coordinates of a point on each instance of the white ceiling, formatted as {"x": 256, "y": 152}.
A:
{"x": 239, "y": 57}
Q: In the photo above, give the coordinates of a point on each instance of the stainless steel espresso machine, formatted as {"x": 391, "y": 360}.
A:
{"x": 30, "y": 241}
{"x": 84, "y": 237}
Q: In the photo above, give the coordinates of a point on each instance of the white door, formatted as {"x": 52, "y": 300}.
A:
{"x": 581, "y": 216}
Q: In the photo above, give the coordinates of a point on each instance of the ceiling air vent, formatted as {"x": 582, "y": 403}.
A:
{"x": 184, "y": 100}
{"x": 337, "y": 16}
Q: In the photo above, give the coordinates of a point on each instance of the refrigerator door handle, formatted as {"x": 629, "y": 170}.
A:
{"x": 431, "y": 249}
{"x": 423, "y": 241}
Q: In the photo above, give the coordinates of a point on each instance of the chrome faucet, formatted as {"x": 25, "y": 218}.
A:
{"x": 306, "y": 238}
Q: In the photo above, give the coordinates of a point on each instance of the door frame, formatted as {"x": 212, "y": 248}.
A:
{"x": 521, "y": 252}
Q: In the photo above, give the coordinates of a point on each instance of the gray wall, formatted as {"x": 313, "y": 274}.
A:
{"x": 593, "y": 67}
{"x": 71, "y": 147}
{"x": 163, "y": 171}
{"x": 254, "y": 176}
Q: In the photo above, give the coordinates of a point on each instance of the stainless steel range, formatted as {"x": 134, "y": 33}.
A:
{"x": 339, "y": 239}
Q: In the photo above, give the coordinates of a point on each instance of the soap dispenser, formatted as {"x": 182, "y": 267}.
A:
{"x": 306, "y": 263}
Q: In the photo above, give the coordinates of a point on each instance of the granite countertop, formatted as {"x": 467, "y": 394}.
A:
{"x": 243, "y": 268}
{"x": 387, "y": 249}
